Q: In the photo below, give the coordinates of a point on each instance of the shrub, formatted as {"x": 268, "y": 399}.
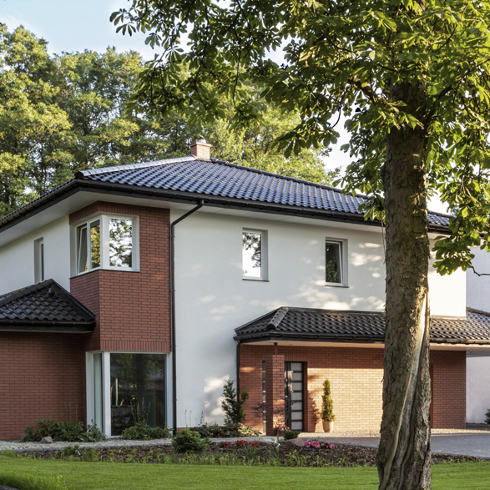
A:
{"x": 142, "y": 431}
{"x": 72, "y": 431}
{"x": 30, "y": 435}
{"x": 235, "y": 430}
{"x": 327, "y": 403}
{"x": 291, "y": 434}
{"x": 232, "y": 405}
{"x": 189, "y": 441}
{"x": 69, "y": 431}
{"x": 47, "y": 427}
{"x": 93, "y": 434}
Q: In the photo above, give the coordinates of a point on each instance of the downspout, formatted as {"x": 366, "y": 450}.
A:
{"x": 172, "y": 309}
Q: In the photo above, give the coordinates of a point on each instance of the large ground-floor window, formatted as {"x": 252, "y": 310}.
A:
{"x": 124, "y": 388}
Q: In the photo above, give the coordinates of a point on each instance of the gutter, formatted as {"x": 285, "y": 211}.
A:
{"x": 172, "y": 310}
{"x": 78, "y": 184}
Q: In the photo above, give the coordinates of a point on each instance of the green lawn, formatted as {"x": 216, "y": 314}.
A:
{"x": 86, "y": 476}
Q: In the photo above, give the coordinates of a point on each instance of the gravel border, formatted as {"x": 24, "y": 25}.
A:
{"x": 116, "y": 442}
{"x": 38, "y": 446}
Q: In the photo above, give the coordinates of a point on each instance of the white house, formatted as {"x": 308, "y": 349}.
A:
{"x": 181, "y": 274}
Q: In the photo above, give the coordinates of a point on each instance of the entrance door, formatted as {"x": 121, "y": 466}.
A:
{"x": 293, "y": 395}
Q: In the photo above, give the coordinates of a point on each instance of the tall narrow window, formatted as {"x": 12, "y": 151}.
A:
{"x": 95, "y": 244}
{"x": 264, "y": 400}
{"x": 334, "y": 262}
{"x": 254, "y": 255}
{"x": 120, "y": 242}
{"x": 88, "y": 246}
{"x": 39, "y": 260}
{"x": 82, "y": 262}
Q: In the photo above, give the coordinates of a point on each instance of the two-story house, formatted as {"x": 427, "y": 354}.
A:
{"x": 148, "y": 286}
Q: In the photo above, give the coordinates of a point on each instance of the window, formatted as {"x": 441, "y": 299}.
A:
{"x": 107, "y": 242}
{"x": 124, "y": 387}
{"x": 38, "y": 260}
{"x": 335, "y": 263}
{"x": 254, "y": 255}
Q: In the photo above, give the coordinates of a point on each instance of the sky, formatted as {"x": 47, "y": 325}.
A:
{"x": 77, "y": 25}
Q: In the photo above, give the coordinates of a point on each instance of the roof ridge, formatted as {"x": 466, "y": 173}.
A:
{"x": 131, "y": 166}
{"x": 287, "y": 177}
{"x": 278, "y": 317}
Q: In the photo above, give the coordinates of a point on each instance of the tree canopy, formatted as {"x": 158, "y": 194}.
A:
{"x": 412, "y": 77}
{"x": 69, "y": 112}
{"x": 339, "y": 58}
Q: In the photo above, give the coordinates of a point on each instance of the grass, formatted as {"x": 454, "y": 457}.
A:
{"x": 112, "y": 476}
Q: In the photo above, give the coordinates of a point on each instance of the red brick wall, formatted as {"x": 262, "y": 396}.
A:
{"x": 448, "y": 389}
{"x": 43, "y": 376}
{"x": 132, "y": 308}
{"x": 274, "y": 381}
{"x": 356, "y": 377}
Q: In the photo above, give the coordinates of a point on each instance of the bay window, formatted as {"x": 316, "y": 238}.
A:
{"x": 106, "y": 242}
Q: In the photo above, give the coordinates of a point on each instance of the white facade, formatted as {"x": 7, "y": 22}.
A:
{"x": 17, "y": 258}
{"x": 477, "y": 388}
{"x": 478, "y": 366}
{"x": 212, "y": 298}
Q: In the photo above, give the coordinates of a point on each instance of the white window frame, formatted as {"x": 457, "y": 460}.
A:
{"x": 343, "y": 262}
{"x": 39, "y": 260}
{"x": 103, "y": 219}
{"x": 264, "y": 262}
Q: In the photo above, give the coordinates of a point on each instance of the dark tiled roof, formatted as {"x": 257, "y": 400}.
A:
{"x": 222, "y": 179}
{"x": 356, "y": 326}
{"x": 44, "y": 307}
{"x": 218, "y": 183}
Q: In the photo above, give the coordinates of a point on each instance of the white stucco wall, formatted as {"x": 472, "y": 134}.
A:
{"x": 447, "y": 293}
{"x": 478, "y": 293}
{"x": 478, "y": 367}
{"x": 212, "y": 299}
{"x": 477, "y": 388}
{"x": 17, "y": 257}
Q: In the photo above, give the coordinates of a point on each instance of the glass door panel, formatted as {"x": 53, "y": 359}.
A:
{"x": 137, "y": 390}
{"x": 97, "y": 408}
{"x": 294, "y": 395}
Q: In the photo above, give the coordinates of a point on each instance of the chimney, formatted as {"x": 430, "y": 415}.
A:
{"x": 201, "y": 149}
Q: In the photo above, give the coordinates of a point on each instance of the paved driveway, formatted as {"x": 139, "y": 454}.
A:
{"x": 468, "y": 443}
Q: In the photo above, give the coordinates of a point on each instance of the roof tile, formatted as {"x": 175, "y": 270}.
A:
{"x": 327, "y": 325}
{"x": 218, "y": 178}
{"x": 41, "y": 304}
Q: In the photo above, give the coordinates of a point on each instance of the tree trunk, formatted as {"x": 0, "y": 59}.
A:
{"x": 404, "y": 452}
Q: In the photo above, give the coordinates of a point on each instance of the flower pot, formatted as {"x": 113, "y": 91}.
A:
{"x": 328, "y": 425}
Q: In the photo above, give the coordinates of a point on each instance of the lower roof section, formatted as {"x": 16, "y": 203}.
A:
{"x": 297, "y": 326}
{"x": 44, "y": 307}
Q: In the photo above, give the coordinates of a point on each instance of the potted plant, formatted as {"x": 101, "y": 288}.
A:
{"x": 327, "y": 408}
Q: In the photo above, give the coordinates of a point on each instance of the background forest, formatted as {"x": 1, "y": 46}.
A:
{"x": 63, "y": 113}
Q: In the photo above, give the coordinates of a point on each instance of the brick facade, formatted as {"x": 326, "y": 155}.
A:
{"x": 274, "y": 381}
{"x": 356, "y": 376}
{"x": 43, "y": 376}
{"x": 132, "y": 308}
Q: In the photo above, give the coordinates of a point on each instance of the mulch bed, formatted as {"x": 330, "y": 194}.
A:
{"x": 289, "y": 453}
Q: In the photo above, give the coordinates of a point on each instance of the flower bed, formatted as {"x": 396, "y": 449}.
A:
{"x": 232, "y": 453}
